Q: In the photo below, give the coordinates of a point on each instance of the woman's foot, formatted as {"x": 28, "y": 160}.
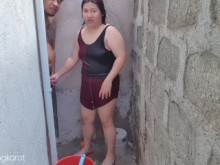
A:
{"x": 82, "y": 151}
{"x": 109, "y": 161}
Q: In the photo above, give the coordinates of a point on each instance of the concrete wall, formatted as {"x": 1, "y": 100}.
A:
{"x": 22, "y": 117}
{"x": 176, "y": 92}
{"x": 69, "y": 21}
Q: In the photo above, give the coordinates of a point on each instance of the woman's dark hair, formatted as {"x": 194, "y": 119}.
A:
{"x": 100, "y": 5}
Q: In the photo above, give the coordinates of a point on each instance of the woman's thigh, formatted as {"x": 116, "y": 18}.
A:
{"x": 106, "y": 112}
{"x": 88, "y": 115}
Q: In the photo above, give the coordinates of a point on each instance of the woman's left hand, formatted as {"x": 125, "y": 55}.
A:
{"x": 106, "y": 88}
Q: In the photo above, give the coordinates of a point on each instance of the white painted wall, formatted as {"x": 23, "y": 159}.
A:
{"x": 22, "y": 118}
{"x": 69, "y": 21}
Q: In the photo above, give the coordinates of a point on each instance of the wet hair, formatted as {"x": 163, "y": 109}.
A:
{"x": 100, "y": 5}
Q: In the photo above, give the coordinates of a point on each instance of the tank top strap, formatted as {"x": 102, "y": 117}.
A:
{"x": 102, "y": 35}
{"x": 104, "y": 30}
{"x": 80, "y": 36}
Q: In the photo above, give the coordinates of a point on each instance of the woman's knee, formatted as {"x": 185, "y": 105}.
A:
{"x": 107, "y": 123}
{"x": 87, "y": 121}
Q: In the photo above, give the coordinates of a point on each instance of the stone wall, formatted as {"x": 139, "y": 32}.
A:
{"x": 176, "y": 80}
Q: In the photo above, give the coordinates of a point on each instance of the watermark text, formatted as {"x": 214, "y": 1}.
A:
{"x": 11, "y": 158}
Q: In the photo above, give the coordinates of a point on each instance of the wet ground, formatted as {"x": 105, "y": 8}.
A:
{"x": 124, "y": 156}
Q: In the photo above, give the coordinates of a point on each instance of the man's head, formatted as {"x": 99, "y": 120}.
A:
{"x": 51, "y": 7}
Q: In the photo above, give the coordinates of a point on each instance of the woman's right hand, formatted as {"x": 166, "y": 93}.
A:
{"x": 54, "y": 79}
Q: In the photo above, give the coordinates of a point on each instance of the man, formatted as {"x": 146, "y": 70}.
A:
{"x": 51, "y": 7}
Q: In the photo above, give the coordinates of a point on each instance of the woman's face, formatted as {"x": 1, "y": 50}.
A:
{"x": 91, "y": 14}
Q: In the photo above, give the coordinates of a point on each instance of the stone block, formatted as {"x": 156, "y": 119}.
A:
{"x": 214, "y": 159}
{"x": 202, "y": 87}
{"x": 168, "y": 59}
{"x": 136, "y": 8}
{"x": 158, "y": 95}
{"x": 150, "y": 46}
{"x": 162, "y": 146}
{"x": 215, "y": 11}
{"x": 181, "y": 134}
{"x": 140, "y": 35}
{"x": 147, "y": 81}
{"x": 157, "y": 11}
{"x": 203, "y": 150}
{"x": 183, "y": 13}
{"x": 149, "y": 119}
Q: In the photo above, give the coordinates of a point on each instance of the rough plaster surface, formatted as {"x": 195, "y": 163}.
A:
{"x": 67, "y": 116}
{"x": 69, "y": 21}
{"x": 22, "y": 120}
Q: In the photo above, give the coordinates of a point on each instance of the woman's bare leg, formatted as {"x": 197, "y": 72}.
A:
{"x": 106, "y": 114}
{"x": 88, "y": 118}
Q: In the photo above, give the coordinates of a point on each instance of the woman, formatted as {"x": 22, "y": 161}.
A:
{"x": 101, "y": 49}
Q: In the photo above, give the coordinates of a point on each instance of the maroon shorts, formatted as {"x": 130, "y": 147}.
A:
{"x": 90, "y": 87}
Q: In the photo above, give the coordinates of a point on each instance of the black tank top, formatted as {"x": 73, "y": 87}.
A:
{"x": 97, "y": 61}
